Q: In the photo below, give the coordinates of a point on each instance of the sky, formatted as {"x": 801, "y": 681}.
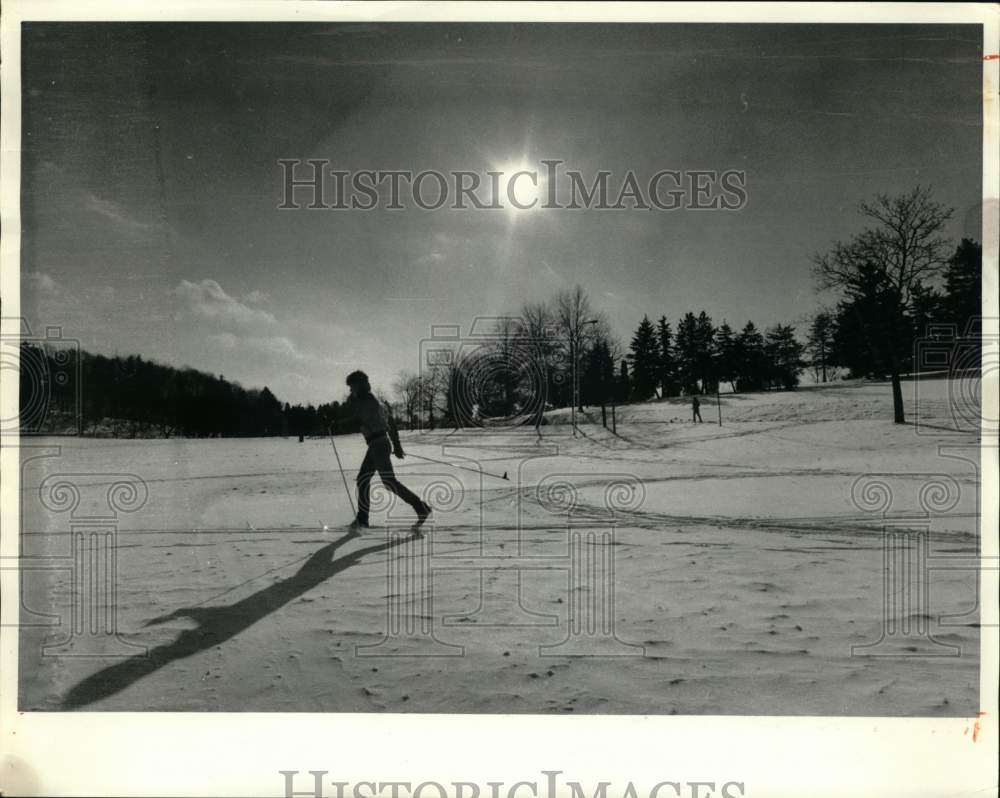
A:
{"x": 151, "y": 177}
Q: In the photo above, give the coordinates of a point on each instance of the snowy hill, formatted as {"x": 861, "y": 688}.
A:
{"x": 730, "y": 570}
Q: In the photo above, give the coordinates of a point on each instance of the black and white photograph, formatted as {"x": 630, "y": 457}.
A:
{"x": 424, "y": 364}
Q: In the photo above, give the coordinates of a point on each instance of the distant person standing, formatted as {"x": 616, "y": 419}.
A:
{"x": 380, "y": 433}
{"x": 695, "y": 410}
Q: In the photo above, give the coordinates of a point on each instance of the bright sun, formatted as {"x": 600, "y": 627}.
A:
{"x": 525, "y": 183}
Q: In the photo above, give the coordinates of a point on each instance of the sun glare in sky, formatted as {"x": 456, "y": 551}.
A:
{"x": 522, "y": 186}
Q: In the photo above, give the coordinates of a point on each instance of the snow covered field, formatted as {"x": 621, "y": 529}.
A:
{"x": 671, "y": 568}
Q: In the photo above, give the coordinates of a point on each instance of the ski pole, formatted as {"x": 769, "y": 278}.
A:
{"x": 342, "y": 476}
{"x": 464, "y": 468}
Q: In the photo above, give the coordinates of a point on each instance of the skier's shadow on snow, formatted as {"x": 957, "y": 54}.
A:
{"x": 218, "y": 624}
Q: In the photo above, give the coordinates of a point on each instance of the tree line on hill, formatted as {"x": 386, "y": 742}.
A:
{"x": 512, "y": 367}
{"x": 900, "y": 291}
{"x": 562, "y": 352}
{"x": 870, "y": 332}
{"x": 701, "y": 358}
{"x": 65, "y": 390}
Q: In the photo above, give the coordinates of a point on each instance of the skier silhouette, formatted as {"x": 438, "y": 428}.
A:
{"x": 381, "y": 435}
{"x": 695, "y": 410}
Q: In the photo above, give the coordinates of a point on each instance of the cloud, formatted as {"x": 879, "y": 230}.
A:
{"x": 206, "y": 300}
{"x": 256, "y": 297}
{"x": 44, "y": 286}
{"x": 274, "y": 346}
{"x": 248, "y": 335}
{"x": 114, "y": 212}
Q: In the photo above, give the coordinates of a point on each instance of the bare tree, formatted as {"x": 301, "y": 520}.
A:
{"x": 433, "y": 385}
{"x": 576, "y": 322}
{"x": 428, "y": 389}
{"x": 539, "y": 343}
{"x": 885, "y": 264}
{"x": 407, "y": 388}
{"x": 507, "y": 371}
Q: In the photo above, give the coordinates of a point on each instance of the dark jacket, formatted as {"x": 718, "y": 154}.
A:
{"x": 374, "y": 418}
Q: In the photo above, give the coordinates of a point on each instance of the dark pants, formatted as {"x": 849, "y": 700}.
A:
{"x": 377, "y": 460}
{"x": 695, "y": 414}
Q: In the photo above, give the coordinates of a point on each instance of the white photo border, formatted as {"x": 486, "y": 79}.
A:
{"x": 241, "y": 754}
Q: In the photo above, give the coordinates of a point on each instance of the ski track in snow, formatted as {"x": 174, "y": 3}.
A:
{"x": 247, "y": 593}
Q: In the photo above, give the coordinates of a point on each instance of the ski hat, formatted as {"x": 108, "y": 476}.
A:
{"x": 360, "y": 379}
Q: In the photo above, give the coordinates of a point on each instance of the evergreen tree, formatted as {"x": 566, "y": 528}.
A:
{"x": 819, "y": 345}
{"x": 686, "y": 353}
{"x": 668, "y": 365}
{"x": 851, "y": 347}
{"x": 624, "y": 382}
{"x": 597, "y": 385}
{"x": 927, "y": 308}
{"x": 705, "y": 357}
{"x": 868, "y": 320}
{"x": 963, "y": 285}
{"x": 726, "y": 364}
{"x": 593, "y": 371}
{"x": 644, "y": 355}
{"x": 784, "y": 357}
{"x": 751, "y": 359}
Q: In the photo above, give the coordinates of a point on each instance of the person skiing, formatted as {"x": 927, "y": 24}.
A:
{"x": 695, "y": 409}
{"x": 382, "y": 437}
